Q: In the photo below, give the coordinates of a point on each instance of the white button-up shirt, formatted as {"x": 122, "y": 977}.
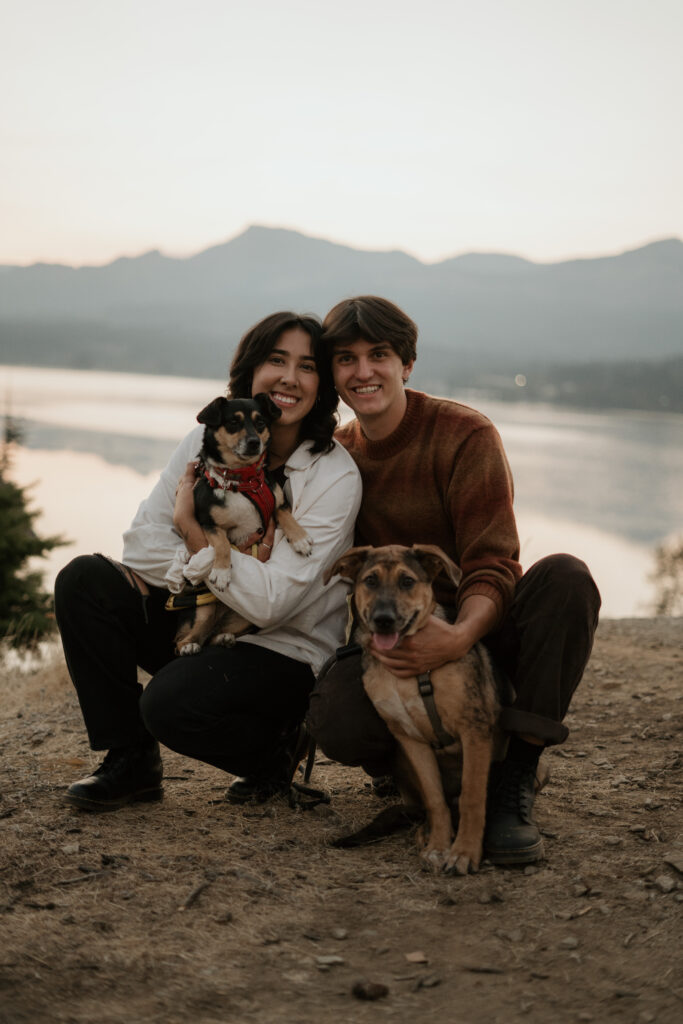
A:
{"x": 284, "y": 597}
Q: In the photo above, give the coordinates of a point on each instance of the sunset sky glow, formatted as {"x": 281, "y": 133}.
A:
{"x": 541, "y": 128}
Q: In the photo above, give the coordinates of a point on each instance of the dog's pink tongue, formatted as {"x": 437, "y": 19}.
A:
{"x": 385, "y": 641}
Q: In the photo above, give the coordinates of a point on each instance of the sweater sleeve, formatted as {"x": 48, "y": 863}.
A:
{"x": 480, "y": 499}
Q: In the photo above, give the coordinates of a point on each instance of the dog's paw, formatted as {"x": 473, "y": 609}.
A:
{"x": 189, "y": 649}
{"x": 461, "y": 860}
{"x": 224, "y": 640}
{"x": 461, "y": 865}
{"x": 220, "y": 578}
{"x": 433, "y": 860}
{"x": 303, "y": 546}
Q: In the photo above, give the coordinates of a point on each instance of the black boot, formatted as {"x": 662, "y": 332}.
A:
{"x": 277, "y": 780}
{"x": 127, "y": 774}
{"x": 511, "y": 835}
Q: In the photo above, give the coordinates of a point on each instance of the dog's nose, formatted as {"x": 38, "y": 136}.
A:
{"x": 383, "y": 623}
{"x": 383, "y": 618}
{"x": 253, "y": 445}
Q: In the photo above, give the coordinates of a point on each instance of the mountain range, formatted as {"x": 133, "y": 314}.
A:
{"x": 479, "y": 314}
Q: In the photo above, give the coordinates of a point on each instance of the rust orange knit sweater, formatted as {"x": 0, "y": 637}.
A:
{"x": 442, "y": 478}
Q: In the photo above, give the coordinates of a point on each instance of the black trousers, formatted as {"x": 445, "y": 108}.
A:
{"x": 542, "y": 647}
{"x": 228, "y": 707}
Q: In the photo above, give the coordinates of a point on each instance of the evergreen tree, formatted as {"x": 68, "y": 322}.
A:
{"x": 26, "y": 613}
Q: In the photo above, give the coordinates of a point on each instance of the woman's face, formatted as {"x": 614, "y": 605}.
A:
{"x": 289, "y": 376}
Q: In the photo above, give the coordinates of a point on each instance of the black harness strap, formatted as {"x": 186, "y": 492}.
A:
{"x": 426, "y": 691}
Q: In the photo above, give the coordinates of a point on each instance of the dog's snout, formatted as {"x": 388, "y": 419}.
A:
{"x": 383, "y": 618}
{"x": 253, "y": 445}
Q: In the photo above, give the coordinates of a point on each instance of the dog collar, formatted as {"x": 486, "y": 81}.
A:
{"x": 248, "y": 480}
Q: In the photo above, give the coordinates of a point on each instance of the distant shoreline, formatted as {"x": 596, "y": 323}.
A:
{"x": 654, "y": 386}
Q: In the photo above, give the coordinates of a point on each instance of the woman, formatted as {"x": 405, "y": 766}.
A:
{"x": 237, "y": 708}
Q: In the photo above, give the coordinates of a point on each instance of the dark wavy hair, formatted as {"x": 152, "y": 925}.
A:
{"x": 253, "y": 350}
{"x": 373, "y": 319}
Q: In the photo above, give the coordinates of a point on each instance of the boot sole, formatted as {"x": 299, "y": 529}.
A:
{"x": 505, "y": 857}
{"x": 84, "y": 803}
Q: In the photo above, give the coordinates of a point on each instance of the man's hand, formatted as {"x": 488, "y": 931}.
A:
{"x": 432, "y": 646}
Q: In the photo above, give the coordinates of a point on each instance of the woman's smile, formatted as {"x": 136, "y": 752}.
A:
{"x": 281, "y": 399}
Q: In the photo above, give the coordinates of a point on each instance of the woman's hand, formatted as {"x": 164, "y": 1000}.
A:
{"x": 183, "y": 514}
{"x": 264, "y": 542}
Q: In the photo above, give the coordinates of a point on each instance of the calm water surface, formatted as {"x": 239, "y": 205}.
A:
{"x": 607, "y": 486}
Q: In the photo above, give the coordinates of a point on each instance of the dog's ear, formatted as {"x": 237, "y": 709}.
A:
{"x": 212, "y": 414}
{"x": 347, "y": 565}
{"x": 269, "y": 409}
{"x": 433, "y": 560}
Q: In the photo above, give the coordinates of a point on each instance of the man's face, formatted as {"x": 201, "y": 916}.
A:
{"x": 370, "y": 379}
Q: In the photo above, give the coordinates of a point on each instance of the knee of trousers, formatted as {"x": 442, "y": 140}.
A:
{"x": 157, "y": 714}
{"x": 75, "y": 578}
{"x": 346, "y": 726}
{"x": 571, "y": 578}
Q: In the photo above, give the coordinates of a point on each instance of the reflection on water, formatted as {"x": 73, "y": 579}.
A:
{"x": 143, "y": 454}
{"x": 619, "y": 471}
{"x": 606, "y": 487}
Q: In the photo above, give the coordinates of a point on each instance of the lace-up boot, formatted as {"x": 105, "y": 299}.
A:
{"x": 127, "y": 774}
{"x": 511, "y": 835}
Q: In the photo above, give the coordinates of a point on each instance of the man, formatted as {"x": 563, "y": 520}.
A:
{"x": 434, "y": 471}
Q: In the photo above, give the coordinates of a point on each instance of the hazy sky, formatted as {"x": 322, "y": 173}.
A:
{"x": 549, "y": 128}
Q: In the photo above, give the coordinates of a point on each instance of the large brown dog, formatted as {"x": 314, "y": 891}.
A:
{"x": 393, "y": 598}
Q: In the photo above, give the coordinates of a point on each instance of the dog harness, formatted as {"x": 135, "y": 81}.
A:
{"x": 248, "y": 480}
{"x": 426, "y": 691}
{"x": 190, "y": 597}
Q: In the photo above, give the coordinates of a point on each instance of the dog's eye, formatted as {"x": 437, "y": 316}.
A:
{"x": 371, "y": 582}
{"x": 406, "y": 582}
{"x": 259, "y": 423}
{"x": 233, "y": 424}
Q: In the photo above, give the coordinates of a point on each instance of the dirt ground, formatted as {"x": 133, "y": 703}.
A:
{"x": 192, "y": 910}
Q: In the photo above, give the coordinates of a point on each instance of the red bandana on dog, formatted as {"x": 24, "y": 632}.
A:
{"x": 250, "y": 481}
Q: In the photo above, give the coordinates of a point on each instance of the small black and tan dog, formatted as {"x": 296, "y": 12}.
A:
{"x": 233, "y": 497}
{"x": 445, "y": 722}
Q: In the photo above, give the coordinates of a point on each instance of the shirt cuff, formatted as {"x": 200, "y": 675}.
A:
{"x": 189, "y": 569}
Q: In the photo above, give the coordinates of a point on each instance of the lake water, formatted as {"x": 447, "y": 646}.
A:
{"x": 605, "y": 486}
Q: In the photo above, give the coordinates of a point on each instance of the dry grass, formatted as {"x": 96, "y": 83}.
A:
{"x": 192, "y": 910}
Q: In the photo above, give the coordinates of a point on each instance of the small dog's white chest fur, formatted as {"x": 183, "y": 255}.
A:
{"x": 236, "y": 514}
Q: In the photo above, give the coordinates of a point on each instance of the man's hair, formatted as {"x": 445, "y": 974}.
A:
{"x": 374, "y": 320}
{"x": 254, "y": 349}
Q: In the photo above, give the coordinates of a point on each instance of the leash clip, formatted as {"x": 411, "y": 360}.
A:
{"x": 424, "y": 684}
